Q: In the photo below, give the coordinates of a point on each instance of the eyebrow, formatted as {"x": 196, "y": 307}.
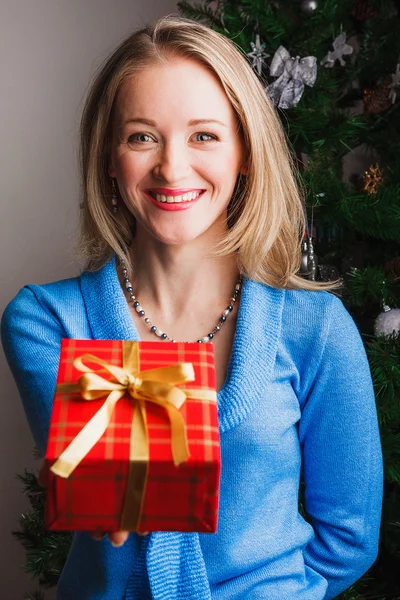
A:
{"x": 190, "y": 123}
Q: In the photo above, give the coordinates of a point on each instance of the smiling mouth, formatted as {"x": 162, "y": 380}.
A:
{"x": 188, "y": 197}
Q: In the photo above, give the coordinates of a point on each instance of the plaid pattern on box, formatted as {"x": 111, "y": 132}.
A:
{"x": 176, "y": 498}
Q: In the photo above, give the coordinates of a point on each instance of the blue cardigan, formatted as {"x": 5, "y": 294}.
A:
{"x": 298, "y": 398}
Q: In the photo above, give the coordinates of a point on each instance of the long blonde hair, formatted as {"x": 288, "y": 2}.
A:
{"x": 266, "y": 213}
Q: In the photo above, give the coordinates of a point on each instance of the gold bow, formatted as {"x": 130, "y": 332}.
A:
{"x": 154, "y": 385}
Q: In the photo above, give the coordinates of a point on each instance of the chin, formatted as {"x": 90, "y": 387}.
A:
{"x": 179, "y": 237}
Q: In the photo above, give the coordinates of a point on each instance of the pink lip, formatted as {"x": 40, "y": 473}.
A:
{"x": 168, "y": 192}
{"x": 174, "y": 206}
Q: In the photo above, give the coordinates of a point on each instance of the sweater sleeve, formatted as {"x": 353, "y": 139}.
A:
{"x": 31, "y": 338}
{"x": 341, "y": 457}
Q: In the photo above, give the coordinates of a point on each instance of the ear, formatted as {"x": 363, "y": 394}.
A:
{"x": 111, "y": 170}
{"x": 244, "y": 169}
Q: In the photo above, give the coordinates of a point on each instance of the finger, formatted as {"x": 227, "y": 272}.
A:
{"x": 118, "y": 538}
{"x": 142, "y": 532}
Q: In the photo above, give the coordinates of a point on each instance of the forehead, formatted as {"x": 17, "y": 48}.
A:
{"x": 182, "y": 89}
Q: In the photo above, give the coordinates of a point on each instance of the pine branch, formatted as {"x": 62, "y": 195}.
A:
{"x": 197, "y": 11}
{"x": 46, "y": 551}
{"x": 371, "y": 283}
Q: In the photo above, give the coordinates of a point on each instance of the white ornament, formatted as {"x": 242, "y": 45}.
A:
{"x": 308, "y": 6}
{"x": 388, "y": 321}
{"x": 258, "y": 55}
{"x": 340, "y": 48}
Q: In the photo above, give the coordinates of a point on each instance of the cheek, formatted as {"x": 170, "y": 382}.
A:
{"x": 228, "y": 175}
{"x": 129, "y": 167}
{"x": 221, "y": 171}
{"x": 129, "y": 171}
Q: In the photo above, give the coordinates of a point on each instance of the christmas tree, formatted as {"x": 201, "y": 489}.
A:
{"x": 332, "y": 69}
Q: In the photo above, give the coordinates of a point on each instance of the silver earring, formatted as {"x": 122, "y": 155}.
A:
{"x": 114, "y": 197}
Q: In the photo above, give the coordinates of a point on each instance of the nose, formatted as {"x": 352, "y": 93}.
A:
{"x": 173, "y": 163}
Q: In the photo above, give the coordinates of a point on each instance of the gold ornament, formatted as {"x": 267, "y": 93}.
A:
{"x": 372, "y": 178}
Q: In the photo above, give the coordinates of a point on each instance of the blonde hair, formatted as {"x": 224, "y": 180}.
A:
{"x": 266, "y": 213}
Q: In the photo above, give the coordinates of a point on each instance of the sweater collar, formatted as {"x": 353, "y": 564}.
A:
{"x": 254, "y": 347}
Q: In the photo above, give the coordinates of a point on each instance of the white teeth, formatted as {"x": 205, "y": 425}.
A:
{"x": 173, "y": 199}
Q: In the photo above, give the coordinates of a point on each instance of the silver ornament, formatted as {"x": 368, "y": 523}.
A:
{"x": 304, "y": 256}
{"x": 312, "y": 261}
{"x": 293, "y": 74}
{"x": 395, "y": 85}
{"x": 309, "y": 260}
{"x": 258, "y": 55}
{"x": 388, "y": 321}
{"x": 340, "y": 49}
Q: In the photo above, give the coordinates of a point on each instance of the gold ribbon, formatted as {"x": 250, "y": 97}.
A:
{"x": 154, "y": 385}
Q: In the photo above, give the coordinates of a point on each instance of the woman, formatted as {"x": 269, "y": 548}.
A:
{"x": 187, "y": 186}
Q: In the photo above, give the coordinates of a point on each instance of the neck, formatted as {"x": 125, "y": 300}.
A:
{"x": 181, "y": 283}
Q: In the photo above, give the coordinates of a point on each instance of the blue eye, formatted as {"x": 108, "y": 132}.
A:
{"x": 131, "y": 139}
{"x": 137, "y": 134}
{"x": 207, "y": 135}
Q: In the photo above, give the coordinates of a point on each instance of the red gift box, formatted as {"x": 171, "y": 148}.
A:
{"x": 137, "y": 475}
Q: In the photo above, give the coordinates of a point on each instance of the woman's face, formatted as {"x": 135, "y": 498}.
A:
{"x": 159, "y": 148}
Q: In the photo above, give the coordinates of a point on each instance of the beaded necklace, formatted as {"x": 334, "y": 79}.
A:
{"x": 161, "y": 334}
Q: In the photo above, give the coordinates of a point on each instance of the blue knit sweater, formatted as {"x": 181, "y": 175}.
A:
{"x": 298, "y": 398}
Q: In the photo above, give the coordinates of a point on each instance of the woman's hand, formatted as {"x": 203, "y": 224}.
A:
{"x": 117, "y": 538}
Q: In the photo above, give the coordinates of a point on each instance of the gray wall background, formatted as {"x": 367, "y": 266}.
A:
{"x": 49, "y": 50}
